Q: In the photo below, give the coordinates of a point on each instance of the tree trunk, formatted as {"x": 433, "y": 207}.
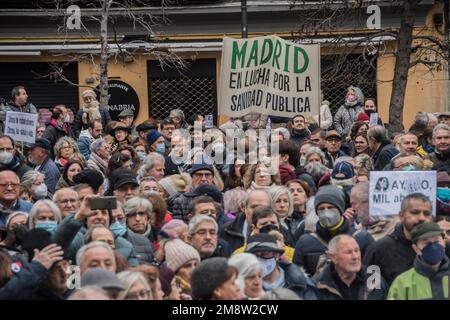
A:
{"x": 104, "y": 54}
{"x": 402, "y": 63}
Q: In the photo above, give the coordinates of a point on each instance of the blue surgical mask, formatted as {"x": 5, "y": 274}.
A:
{"x": 433, "y": 253}
{"x": 118, "y": 229}
{"x": 161, "y": 148}
{"x": 409, "y": 167}
{"x": 443, "y": 194}
{"x": 141, "y": 155}
{"x": 267, "y": 265}
{"x": 49, "y": 226}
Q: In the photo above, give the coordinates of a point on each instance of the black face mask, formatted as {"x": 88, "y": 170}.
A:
{"x": 268, "y": 228}
{"x": 369, "y": 112}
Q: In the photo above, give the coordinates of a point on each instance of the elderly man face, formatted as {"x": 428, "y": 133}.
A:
{"x": 104, "y": 235}
{"x": 347, "y": 258}
{"x": 255, "y": 199}
{"x": 204, "y": 239}
{"x": 202, "y": 177}
{"x": 126, "y": 192}
{"x": 9, "y": 187}
{"x": 173, "y": 116}
{"x": 408, "y": 144}
{"x": 67, "y": 201}
{"x": 99, "y": 217}
{"x": 138, "y": 220}
{"x": 98, "y": 257}
{"x": 441, "y": 139}
{"x": 157, "y": 171}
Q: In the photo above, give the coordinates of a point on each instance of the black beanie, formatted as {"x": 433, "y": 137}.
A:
{"x": 92, "y": 177}
{"x": 36, "y": 239}
{"x": 207, "y": 277}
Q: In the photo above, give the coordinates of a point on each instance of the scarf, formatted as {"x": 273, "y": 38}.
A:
{"x": 99, "y": 161}
{"x": 93, "y": 105}
{"x": 255, "y": 186}
{"x": 65, "y": 126}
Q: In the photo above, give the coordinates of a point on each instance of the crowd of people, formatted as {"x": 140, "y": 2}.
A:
{"x": 186, "y": 226}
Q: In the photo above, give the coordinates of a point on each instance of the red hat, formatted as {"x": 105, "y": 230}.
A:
{"x": 363, "y": 117}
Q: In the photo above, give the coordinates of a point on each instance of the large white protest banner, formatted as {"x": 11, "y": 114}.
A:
{"x": 387, "y": 189}
{"x": 269, "y": 75}
{"x": 21, "y": 126}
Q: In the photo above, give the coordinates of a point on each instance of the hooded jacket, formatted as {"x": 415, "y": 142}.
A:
{"x": 422, "y": 282}
{"x": 347, "y": 114}
{"x": 328, "y": 289}
{"x": 309, "y": 248}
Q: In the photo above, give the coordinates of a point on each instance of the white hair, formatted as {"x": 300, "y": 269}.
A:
{"x": 35, "y": 211}
{"x": 94, "y": 244}
{"x": 199, "y": 218}
{"x": 333, "y": 244}
{"x": 30, "y": 177}
{"x": 136, "y": 203}
{"x": 276, "y": 192}
{"x": 149, "y": 163}
{"x": 129, "y": 279}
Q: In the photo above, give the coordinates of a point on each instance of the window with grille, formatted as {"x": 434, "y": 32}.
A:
{"x": 338, "y": 73}
{"x": 193, "y": 90}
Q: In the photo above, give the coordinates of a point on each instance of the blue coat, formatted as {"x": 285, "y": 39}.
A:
{"x": 20, "y": 205}
{"x": 51, "y": 172}
{"x": 298, "y": 282}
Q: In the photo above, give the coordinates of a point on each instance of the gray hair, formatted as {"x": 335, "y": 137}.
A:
{"x": 333, "y": 244}
{"x": 199, "y": 218}
{"x": 342, "y": 159}
{"x": 314, "y": 150}
{"x": 136, "y": 203}
{"x": 377, "y": 133}
{"x": 57, "y": 192}
{"x": 88, "y": 293}
{"x": 413, "y": 196}
{"x": 60, "y": 143}
{"x": 179, "y": 113}
{"x": 149, "y": 163}
{"x": 35, "y": 211}
{"x": 316, "y": 170}
{"x": 88, "y": 236}
{"x": 421, "y": 119}
{"x": 97, "y": 144}
{"x": 276, "y": 192}
{"x": 30, "y": 177}
{"x": 94, "y": 244}
{"x": 440, "y": 126}
{"x": 129, "y": 279}
{"x": 364, "y": 161}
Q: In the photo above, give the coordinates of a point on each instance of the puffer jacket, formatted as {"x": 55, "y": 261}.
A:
{"x": 298, "y": 282}
{"x": 178, "y": 204}
{"x": 344, "y": 118}
{"x": 142, "y": 246}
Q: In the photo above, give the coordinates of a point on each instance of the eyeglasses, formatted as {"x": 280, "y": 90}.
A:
{"x": 143, "y": 294}
{"x": 9, "y": 184}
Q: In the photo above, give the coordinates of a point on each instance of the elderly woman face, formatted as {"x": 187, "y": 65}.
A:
{"x": 262, "y": 176}
{"x": 73, "y": 170}
{"x": 19, "y": 219}
{"x": 138, "y": 220}
{"x": 88, "y": 99}
{"x": 66, "y": 150}
{"x": 314, "y": 158}
{"x": 39, "y": 180}
{"x": 254, "y": 284}
{"x": 282, "y": 205}
{"x": 139, "y": 291}
{"x": 45, "y": 213}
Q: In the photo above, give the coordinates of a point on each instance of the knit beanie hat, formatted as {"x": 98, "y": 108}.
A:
{"x": 175, "y": 183}
{"x": 178, "y": 253}
{"x": 363, "y": 117}
{"x": 93, "y": 178}
{"x": 330, "y": 194}
{"x": 152, "y": 136}
{"x": 207, "y": 277}
{"x": 169, "y": 227}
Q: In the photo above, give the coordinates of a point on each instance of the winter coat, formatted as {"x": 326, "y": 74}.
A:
{"x": 344, "y": 118}
{"x": 70, "y": 236}
{"x": 78, "y": 125}
{"x": 11, "y": 106}
{"x": 223, "y": 250}
{"x": 84, "y": 142}
{"x": 300, "y": 137}
{"x": 53, "y": 132}
{"x": 16, "y": 165}
{"x": 298, "y": 282}
{"x": 179, "y": 205}
{"x": 142, "y": 246}
{"x": 232, "y": 232}
{"x": 393, "y": 254}
{"x": 46, "y": 293}
{"x": 422, "y": 282}
{"x": 383, "y": 227}
{"x": 328, "y": 289}
{"x": 384, "y": 154}
{"x": 330, "y": 160}
{"x": 51, "y": 172}
{"x": 24, "y": 283}
{"x": 20, "y": 205}
{"x": 310, "y": 247}
{"x": 439, "y": 160}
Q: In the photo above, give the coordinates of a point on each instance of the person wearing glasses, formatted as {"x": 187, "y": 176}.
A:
{"x": 9, "y": 196}
{"x": 10, "y": 159}
{"x": 203, "y": 236}
{"x": 136, "y": 286}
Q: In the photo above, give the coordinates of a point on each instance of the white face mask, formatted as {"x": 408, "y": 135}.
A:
{"x": 41, "y": 191}
{"x": 329, "y": 218}
{"x": 67, "y": 118}
{"x": 302, "y": 160}
{"x": 6, "y": 157}
{"x": 267, "y": 265}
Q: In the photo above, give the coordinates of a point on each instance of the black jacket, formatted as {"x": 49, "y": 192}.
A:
{"x": 393, "y": 254}
{"x": 384, "y": 154}
{"x": 300, "y": 137}
{"x": 309, "y": 249}
{"x": 231, "y": 232}
{"x": 142, "y": 246}
{"x": 77, "y": 125}
{"x": 439, "y": 159}
{"x": 328, "y": 289}
{"x": 16, "y": 165}
{"x": 53, "y": 133}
